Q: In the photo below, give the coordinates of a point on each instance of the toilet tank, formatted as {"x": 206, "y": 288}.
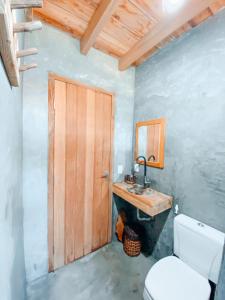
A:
{"x": 199, "y": 246}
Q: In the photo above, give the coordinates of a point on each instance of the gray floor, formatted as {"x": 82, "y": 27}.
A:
{"x": 106, "y": 274}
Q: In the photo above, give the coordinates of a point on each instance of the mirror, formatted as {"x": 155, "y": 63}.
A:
{"x": 150, "y": 139}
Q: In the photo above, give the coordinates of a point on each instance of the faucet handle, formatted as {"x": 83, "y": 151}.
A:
{"x": 147, "y": 180}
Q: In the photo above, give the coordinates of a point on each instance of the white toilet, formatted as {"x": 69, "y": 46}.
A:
{"x": 198, "y": 249}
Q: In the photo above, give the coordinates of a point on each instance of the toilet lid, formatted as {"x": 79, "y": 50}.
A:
{"x": 171, "y": 279}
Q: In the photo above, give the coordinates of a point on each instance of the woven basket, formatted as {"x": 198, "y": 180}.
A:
{"x": 131, "y": 241}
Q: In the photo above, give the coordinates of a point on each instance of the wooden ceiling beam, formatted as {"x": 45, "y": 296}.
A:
{"x": 162, "y": 30}
{"x": 97, "y": 23}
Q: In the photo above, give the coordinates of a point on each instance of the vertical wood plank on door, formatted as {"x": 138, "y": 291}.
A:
{"x": 59, "y": 172}
{"x": 106, "y": 154}
{"x": 80, "y": 151}
{"x": 51, "y": 128}
{"x": 89, "y": 166}
{"x": 70, "y": 198}
{"x": 96, "y": 222}
{"x": 111, "y": 170}
{"x": 80, "y": 170}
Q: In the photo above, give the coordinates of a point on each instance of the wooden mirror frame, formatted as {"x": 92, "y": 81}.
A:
{"x": 162, "y": 123}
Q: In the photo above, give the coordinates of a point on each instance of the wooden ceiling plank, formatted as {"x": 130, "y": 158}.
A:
{"x": 81, "y": 9}
{"x": 144, "y": 12}
{"x": 162, "y": 30}
{"x": 129, "y": 18}
{"x": 96, "y": 24}
{"x": 62, "y": 19}
{"x": 130, "y": 22}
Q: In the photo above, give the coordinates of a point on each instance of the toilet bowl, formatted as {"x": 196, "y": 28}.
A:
{"x": 198, "y": 249}
{"x": 171, "y": 279}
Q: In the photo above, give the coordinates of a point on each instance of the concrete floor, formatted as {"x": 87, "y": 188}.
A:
{"x": 106, "y": 274}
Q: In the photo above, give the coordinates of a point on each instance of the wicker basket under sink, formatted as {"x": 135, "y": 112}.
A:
{"x": 131, "y": 240}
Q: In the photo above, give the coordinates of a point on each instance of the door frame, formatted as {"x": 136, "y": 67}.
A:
{"x": 51, "y": 126}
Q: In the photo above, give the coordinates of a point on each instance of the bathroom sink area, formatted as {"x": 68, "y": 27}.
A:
{"x": 139, "y": 189}
{"x": 148, "y": 200}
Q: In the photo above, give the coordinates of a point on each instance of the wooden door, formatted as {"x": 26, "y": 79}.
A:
{"x": 80, "y": 170}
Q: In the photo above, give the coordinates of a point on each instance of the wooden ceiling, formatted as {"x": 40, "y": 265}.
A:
{"x": 131, "y": 30}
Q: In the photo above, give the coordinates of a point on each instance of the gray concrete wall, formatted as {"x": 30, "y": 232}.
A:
{"x": 220, "y": 291}
{"x": 12, "y": 270}
{"x": 185, "y": 83}
{"x": 60, "y": 53}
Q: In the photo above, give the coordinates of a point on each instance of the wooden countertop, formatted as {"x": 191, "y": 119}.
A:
{"x": 151, "y": 202}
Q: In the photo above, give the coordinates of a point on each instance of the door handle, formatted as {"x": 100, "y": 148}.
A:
{"x": 105, "y": 174}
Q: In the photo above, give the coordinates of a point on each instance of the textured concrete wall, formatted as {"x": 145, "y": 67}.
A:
{"x": 12, "y": 271}
{"x": 185, "y": 83}
{"x": 60, "y": 53}
{"x": 220, "y": 291}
